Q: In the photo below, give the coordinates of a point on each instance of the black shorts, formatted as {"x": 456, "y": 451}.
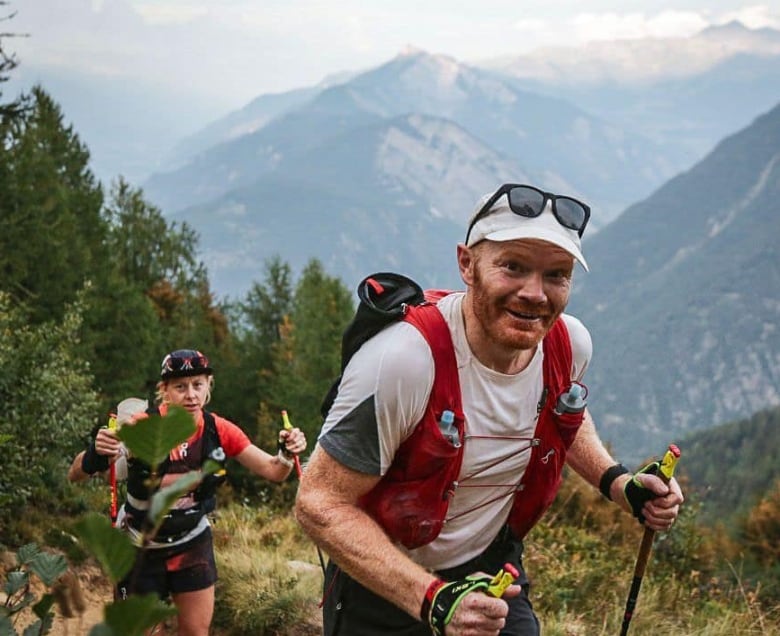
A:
{"x": 350, "y": 609}
{"x": 165, "y": 571}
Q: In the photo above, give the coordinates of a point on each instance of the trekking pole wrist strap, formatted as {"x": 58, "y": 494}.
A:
{"x": 284, "y": 460}
{"x": 609, "y": 476}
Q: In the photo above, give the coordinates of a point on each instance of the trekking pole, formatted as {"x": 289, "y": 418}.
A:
{"x": 112, "y": 510}
{"x": 288, "y": 426}
{"x": 665, "y": 472}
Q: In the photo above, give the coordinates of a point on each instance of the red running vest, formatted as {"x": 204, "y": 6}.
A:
{"x": 411, "y": 500}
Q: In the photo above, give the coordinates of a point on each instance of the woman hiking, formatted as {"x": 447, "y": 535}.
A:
{"x": 179, "y": 561}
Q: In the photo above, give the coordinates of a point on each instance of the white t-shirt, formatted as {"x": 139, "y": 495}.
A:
{"x": 384, "y": 393}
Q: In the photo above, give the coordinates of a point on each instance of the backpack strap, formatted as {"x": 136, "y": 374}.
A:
{"x": 445, "y": 393}
{"x": 410, "y": 502}
{"x": 206, "y": 491}
{"x": 557, "y": 356}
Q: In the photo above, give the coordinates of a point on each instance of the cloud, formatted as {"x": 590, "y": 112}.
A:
{"x": 158, "y": 14}
{"x": 615, "y": 26}
{"x": 755, "y": 17}
{"x": 593, "y": 26}
{"x": 232, "y": 50}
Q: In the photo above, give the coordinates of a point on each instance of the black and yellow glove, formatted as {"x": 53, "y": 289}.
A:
{"x": 442, "y": 601}
{"x": 635, "y": 492}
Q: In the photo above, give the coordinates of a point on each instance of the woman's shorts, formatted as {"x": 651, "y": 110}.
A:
{"x": 166, "y": 571}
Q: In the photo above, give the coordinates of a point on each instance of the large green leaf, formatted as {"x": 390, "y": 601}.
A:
{"x": 134, "y": 615}
{"x": 111, "y": 547}
{"x": 152, "y": 438}
{"x": 48, "y": 567}
{"x": 15, "y": 581}
{"x": 27, "y": 553}
{"x": 42, "y": 607}
{"x": 6, "y": 626}
{"x": 42, "y": 626}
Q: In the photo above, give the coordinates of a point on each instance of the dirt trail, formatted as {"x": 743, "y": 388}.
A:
{"x": 93, "y": 591}
{"x": 96, "y": 592}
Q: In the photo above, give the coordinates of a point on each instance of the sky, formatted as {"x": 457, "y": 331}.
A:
{"x": 230, "y": 51}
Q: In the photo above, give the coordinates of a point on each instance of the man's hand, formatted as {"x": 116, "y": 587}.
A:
{"x": 464, "y": 607}
{"x": 654, "y": 503}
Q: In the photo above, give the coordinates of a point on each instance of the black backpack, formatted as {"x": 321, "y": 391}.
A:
{"x": 384, "y": 298}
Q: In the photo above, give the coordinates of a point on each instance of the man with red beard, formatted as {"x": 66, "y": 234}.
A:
{"x": 449, "y": 433}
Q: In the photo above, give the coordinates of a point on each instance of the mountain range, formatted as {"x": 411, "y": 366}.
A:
{"x": 683, "y": 297}
{"x": 380, "y": 169}
{"x": 684, "y": 93}
{"x": 550, "y": 134}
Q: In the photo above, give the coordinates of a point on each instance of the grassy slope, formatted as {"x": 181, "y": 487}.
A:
{"x": 580, "y": 560}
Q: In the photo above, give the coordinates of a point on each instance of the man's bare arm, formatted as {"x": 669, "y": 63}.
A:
{"x": 326, "y": 507}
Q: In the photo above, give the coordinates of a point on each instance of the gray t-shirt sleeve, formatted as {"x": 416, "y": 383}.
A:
{"x": 354, "y": 440}
{"x": 382, "y": 396}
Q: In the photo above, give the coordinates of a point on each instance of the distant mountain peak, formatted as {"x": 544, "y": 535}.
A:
{"x": 410, "y": 50}
{"x": 742, "y": 37}
{"x": 733, "y": 26}
{"x": 432, "y": 60}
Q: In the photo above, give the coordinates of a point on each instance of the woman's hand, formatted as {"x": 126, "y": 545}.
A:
{"x": 107, "y": 443}
{"x": 293, "y": 440}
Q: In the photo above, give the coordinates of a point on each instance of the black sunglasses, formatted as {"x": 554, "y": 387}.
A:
{"x": 529, "y": 202}
{"x": 184, "y": 361}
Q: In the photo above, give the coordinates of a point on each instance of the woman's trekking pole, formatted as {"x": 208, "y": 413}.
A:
{"x": 288, "y": 426}
{"x": 112, "y": 509}
{"x": 665, "y": 472}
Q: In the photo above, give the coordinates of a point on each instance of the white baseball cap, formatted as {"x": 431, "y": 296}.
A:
{"x": 502, "y": 224}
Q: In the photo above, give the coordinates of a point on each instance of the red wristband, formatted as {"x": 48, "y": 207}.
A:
{"x": 425, "y": 610}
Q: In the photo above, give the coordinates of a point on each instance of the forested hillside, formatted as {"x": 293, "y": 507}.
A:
{"x": 730, "y": 467}
{"x": 97, "y": 286}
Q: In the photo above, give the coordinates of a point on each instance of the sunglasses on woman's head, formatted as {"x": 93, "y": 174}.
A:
{"x": 528, "y": 201}
{"x": 193, "y": 362}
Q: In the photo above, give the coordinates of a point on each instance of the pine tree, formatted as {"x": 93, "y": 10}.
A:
{"x": 308, "y": 355}
{"x": 154, "y": 294}
{"x": 247, "y": 369}
{"x": 51, "y": 232}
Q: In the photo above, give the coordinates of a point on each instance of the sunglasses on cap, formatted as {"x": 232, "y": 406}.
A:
{"x": 527, "y": 201}
{"x": 184, "y": 360}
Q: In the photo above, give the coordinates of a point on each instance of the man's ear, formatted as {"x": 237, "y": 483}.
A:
{"x": 466, "y": 263}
